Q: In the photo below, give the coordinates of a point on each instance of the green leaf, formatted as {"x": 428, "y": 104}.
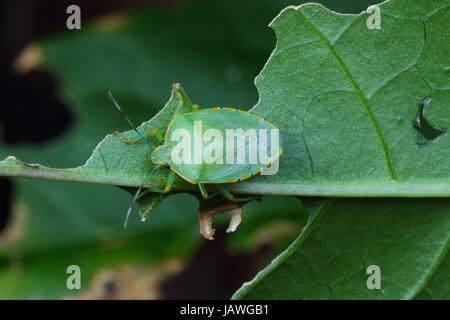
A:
{"x": 438, "y": 287}
{"x": 329, "y": 259}
{"x": 359, "y": 91}
{"x": 355, "y": 92}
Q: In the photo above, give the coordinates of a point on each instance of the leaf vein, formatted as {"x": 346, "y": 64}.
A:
{"x": 362, "y": 97}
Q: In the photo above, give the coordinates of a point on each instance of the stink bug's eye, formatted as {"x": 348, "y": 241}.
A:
{"x": 167, "y": 165}
{"x": 163, "y": 142}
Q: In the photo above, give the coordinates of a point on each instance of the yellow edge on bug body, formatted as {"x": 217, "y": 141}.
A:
{"x": 165, "y": 138}
{"x": 234, "y": 109}
{"x": 170, "y": 125}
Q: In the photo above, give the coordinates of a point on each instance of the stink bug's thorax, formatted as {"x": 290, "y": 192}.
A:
{"x": 161, "y": 155}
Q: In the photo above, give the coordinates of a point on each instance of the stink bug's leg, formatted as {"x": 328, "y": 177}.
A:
{"x": 130, "y": 123}
{"x": 169, "y": 181}
{"x": 169, "y": 184}
{"x": 230, "y": 197}
{"x": 204, "y": 192}
{"x": 158, "y": 135}
{"x": 137, "y": 195}
{"x": 125, "y": 140}
{"x": 155, "y": 132}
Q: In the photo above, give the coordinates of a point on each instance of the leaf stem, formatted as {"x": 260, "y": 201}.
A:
{"x": 12, "y": 167}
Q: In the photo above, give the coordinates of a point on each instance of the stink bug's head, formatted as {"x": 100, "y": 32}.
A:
{"x": 161, "y": 155}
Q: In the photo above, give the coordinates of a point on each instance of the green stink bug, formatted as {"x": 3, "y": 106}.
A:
{"x": 211, "y": 146}
{"x": 212, "y": 123}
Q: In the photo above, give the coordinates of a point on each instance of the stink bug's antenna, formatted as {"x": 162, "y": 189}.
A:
{"x": 137, "y": 195}
{"x": 127, "y": 119}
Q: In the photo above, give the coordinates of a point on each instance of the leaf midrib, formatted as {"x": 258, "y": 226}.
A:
{"x": 393, "y": 188}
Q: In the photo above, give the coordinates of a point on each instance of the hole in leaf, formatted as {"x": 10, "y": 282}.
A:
{"x": 32, "y": 112}
{"x": 426, "y": 132}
